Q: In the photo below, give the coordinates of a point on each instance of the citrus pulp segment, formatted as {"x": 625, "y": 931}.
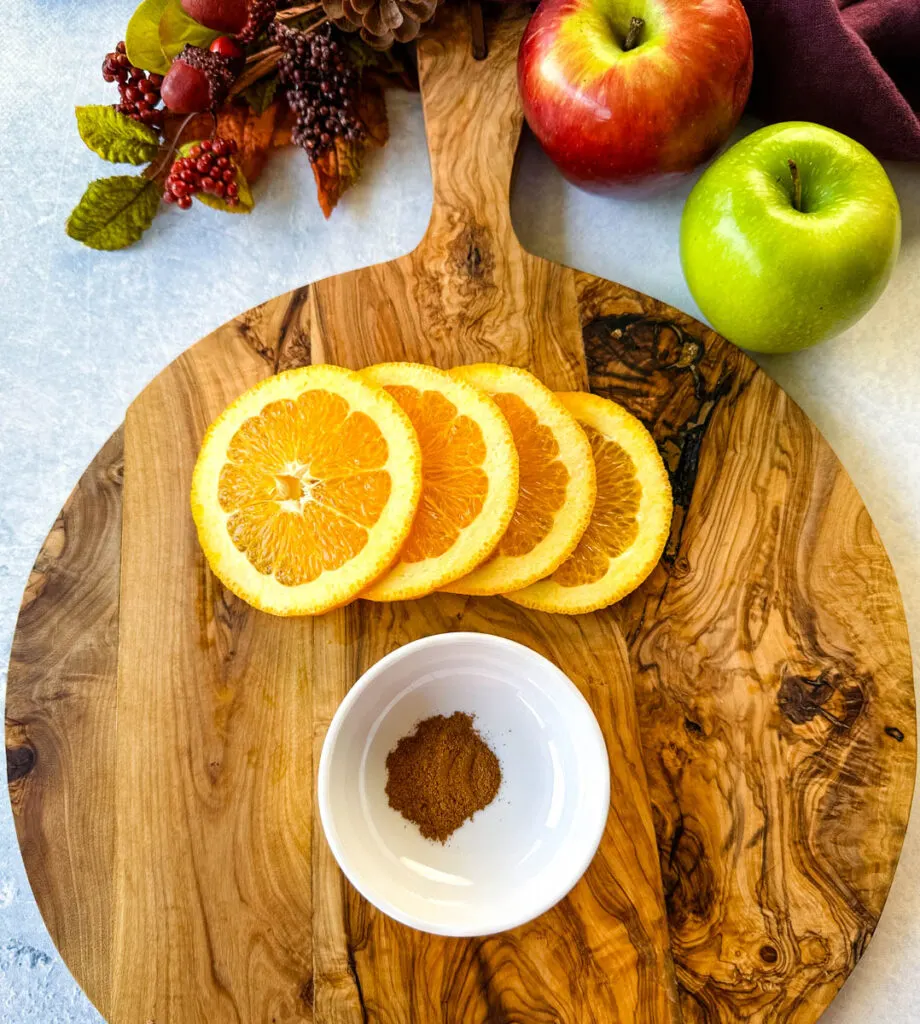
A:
{"x": 557, "y": 481}
{"x": 305, "y": 489}
{"x": 469, "y": 479}
{"x": 631, "y": 519}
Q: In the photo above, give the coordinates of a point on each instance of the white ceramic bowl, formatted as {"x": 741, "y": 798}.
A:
{"x": 520, "y": 855}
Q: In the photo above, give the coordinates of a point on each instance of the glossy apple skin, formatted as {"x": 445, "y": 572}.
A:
{"x": 185, "y": 89}
{"x": 220, "y": 15}
{"x": 610, "y": 118}
{"x": 776, "y": 279}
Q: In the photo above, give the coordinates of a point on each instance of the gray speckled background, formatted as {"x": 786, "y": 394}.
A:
{"x": 83, "y": 332}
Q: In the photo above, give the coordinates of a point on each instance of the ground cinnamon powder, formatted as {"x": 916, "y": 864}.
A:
{"x": 442, "y": 774}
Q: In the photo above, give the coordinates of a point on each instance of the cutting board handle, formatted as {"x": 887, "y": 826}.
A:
{"x": 473, "y": 119}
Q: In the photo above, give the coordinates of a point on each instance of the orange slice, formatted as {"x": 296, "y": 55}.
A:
{"x": 631, "y": 520}
{"x": 469, "y": 479}
{"x": 305, "y": 489}
{"x": 557, "y": 481}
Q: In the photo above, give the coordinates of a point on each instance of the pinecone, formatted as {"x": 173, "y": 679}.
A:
{"x": 381, "y": 22}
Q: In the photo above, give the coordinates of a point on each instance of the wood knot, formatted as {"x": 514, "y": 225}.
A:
{"x": 681, "y": 567}
{"x": 837, "y": 700}
{"x": 769, "y": 954}
{"x": 674, "y": 348}
{"x": 471, "y": 254}
{"x": 115, "y": 472}
{"x": 19, "y": 762}
{"x": 640, "y": 342}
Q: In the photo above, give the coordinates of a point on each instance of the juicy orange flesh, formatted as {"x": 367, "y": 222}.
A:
{"x": 543, "y": 481}
{"x": 454, "y": 486}
{"x": 303, "y": 483}
{"x": 613, "y": 527}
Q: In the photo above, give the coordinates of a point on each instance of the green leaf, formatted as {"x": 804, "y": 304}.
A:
{"x": 261, "y": 94}
{"x": 246, "y": 202}
{"x": 115, "y": 212}
{"x": 177, "y": 30}
{"x": 142, "y": 38}
{"x": 116, "y": 137}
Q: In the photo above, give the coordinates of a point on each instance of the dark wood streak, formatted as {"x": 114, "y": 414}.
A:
{"x": 762, "y": 690}
{"x": 356, "y": 980}
{"x": 60, "y": 717}
{"x": 490, "y": 996}
{"x": 659, "y": 367}
{"x": 279, "y": 331}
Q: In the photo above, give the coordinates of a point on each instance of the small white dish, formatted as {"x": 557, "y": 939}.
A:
{"x": 520, "y": 855}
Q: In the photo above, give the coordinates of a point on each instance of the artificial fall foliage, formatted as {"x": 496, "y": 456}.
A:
{"x": 254, "y": 134}
{"x": 115, "y": 137}
{"x": 215, "y": 163}
{"x": 337, "y": 169}
{"x": 114, "y": 212}
{"x": 327, "y": 98}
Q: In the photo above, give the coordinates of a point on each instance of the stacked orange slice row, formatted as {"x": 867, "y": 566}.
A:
{"x": 322, "y": 484}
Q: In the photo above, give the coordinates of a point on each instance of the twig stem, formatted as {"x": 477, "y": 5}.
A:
{"x": 156, "y": 171}
{"x": 263, "y": 63}
{"x": 632, "y": 36}
{"x": 796, "y": 184}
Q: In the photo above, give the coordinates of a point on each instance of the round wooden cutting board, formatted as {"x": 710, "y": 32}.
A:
{"x": 162, "y": 736}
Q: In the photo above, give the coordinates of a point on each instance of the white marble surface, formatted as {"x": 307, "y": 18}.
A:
{"x": 83, "y": 332}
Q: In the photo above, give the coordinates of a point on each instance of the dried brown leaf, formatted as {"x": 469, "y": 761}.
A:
{"x": 284, "y": 126}
{"x": 340, "y": 167}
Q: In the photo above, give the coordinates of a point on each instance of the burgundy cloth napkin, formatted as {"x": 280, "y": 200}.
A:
{"x": 853, "y": 65}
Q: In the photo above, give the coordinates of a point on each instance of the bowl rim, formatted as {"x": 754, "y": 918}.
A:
{"x": 568, "y": 880}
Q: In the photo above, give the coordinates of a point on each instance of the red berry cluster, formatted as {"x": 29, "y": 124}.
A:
{"x": 207, "y": 168}
{"x": 140, "y": 92}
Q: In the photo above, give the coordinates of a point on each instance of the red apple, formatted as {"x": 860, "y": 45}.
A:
{"x": 627, "y": 92}
{"x": 221, "y": 15}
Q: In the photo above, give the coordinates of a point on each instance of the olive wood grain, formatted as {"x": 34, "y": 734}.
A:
{"x": 60, "y": 721}
{"x": 468, "y": 293}
{"x": 161, "y": 735}
{"x": 772, "y": 674}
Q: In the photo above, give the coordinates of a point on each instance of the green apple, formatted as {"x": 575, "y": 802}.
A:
{"x": 789, "y": 237}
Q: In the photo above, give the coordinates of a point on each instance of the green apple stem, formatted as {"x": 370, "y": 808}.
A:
{"x": 796, "y": 185}
{"x": 632, "y": 36}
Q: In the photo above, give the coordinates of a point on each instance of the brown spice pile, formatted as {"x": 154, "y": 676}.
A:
{"x": 441, "y": 775}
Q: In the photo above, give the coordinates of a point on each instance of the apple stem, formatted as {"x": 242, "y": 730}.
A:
{"x": 632, "y": 36}
{"x": 796, "y": 185}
